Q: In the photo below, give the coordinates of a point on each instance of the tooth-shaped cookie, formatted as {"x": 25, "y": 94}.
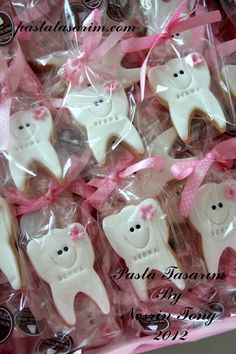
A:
{"x": 213, "y": 215}
{"x": 29, "y": 143}
{"x": 139, "y": 234}
{"x": 105, "y": 116}
{"x": 229, "y": 76}
{"x": 64, "y": 259}
{"x": 183, "y": 84}
{"x": 8, "y": 260}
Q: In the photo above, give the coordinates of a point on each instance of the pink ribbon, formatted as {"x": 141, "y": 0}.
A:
{"x": 78, "y": 69}
{"x": 10, "y": 78}
{"x": 125, "y": 167}
{"x": 71, "y": 182}
{"x": 175, "y": 25}
{"x": 223, "y": 154}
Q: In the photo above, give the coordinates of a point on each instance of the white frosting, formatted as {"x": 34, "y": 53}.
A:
{"x": 185, "y": 87}
{"x": 29, "y": 143}
{"x": 229, "y": 76}
{"x": 142, "y": 243}
{"x": 214, "y": 217}
{"x": 67, "y": 266}
{"x": 105, "y": 116}
{"x": 8, "y": 260}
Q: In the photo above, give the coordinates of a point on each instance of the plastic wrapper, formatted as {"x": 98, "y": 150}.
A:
{"x": 117, "y": 227}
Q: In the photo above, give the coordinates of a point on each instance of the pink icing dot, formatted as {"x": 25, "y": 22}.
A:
{"x": 76, "y": 233}
{"x": 147, "y": 212}
{"x": 39, "y": 113}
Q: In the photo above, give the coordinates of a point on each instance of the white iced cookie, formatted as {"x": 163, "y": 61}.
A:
{"x": 229, "y": 77}
{"x": 64, "y": 259}
{"x": 184, "y": 86}
{"x": 29, "y": 144}
{"x": 139, "y": 234}
{"x": 213, "y": 215}
{"x": 8, "y": 260}
{"x": 105, "y": 116}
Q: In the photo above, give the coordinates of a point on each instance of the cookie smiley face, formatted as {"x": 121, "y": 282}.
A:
{"x": 62, "y": 251}
{"x": 23, "y": 128}
{"x": 213, "y": 215}
{"x": 90, "y": 103}
{"x": 101, "y": 106}
{"x": 136, "y": 231}
{"x": 178, "y": 75}
{"x": 218, "y": 212}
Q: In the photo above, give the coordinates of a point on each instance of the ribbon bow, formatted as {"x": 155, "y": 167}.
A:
{"x": 80, "y": 68}
{"x": 175, "y": 25}
{"x": 125, "y": 167}
{"x": 10, "y": 78}
{"x": 223, "y": 154}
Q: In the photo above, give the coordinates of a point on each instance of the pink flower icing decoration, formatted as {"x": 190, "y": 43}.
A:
{"x": 230, "y": 192}
{"x": 76, "y": 233}
{"x": 147, "y": 212}
{"x": 39, "y": 113}
{"x": 112, "y": 86}
{"x": 196, "y": 60}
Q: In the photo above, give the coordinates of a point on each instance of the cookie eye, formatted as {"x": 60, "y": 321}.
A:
{"x": 138, "y": 227}
{"x": 131, "y": 229}
{"x": 220, "y": 205}
{"x": 101, "y": 100}
{"x": 177, "y": 34}
{"x": 175, "y": 75}
{"x": 213, "y": 207}
{"x": 66, "y": 249}
{"x": 20, "y": 127}
{"x": 181, "y": 72}
{"x": 27, "y": 125}
{"x": 59, "y": 252}
{"x": 91, "y": 322}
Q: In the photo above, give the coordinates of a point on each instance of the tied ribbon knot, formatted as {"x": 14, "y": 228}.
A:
{"x": 223, "y": 154}
{"x": 79, "y": 69}
{"x": 125, "y": 168}
{"x": 176, "y": 24}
